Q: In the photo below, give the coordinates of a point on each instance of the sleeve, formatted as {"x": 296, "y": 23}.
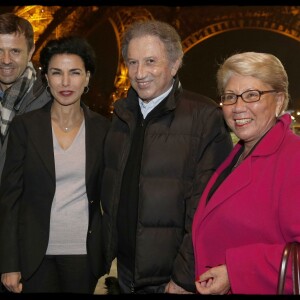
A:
{"x": 212, "y": 148}
{"x": 254, "y": 268}
{"x": 10, "y": 193}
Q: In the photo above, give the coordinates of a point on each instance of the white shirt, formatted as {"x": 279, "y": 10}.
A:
{"x": 147, "y": 107}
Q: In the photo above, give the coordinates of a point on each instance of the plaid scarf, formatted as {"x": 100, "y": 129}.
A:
{"x": 13, "y": 96}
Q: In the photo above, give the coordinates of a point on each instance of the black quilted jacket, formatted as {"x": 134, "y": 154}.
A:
{"x": 183, "y": 146}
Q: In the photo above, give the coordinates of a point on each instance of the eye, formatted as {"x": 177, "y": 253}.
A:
{"x": 229, "y": 97}
{"x": 53, "y": 72}
{"x": 15, "y": 51}
{"x": 150, "y": 61}
{"x": 251, "y": 94}
{"x": 75, "y": 72}
{"x": 131, "y": 62}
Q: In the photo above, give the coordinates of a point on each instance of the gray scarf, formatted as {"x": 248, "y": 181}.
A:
{"x": 13, "y": 97}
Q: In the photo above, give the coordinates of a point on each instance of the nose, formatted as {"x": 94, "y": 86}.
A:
{"x": 140, "y": 71}
{"x": 5, "y": 57}
{"x": 239, "y": 104}
{"x": 65, "y": 80}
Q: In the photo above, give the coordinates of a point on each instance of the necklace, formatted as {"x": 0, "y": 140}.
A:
{"x": 66, "y": 128}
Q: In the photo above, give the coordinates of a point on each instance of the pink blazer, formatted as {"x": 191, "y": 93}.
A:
{"x": 252, "y": 214}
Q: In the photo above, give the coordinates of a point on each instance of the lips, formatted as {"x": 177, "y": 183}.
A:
{"x": 6, "y": 71}
{"x": 242, "y": 121}
{"x": 143, "y": 85}
{"x": 66, "y": 93}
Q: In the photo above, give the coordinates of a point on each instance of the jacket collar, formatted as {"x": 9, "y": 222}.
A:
{"x": 267, "y": 146}
{"x": 126, "y": 106}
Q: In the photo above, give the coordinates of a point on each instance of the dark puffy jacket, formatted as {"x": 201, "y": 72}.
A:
{"x": 183, "y": 146}
{"x": 36, "y": 98}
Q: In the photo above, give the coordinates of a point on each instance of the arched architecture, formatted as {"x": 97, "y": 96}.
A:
{"x": 195, "y": 24}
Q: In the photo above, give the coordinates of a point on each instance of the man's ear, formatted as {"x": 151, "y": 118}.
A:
{"x": 175, "y": 67}
{"x": 31, "y": 53}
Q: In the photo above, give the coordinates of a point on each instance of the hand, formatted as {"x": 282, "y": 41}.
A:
{"x": 173, "y": 288}
{"x": 11, "y": 281}
{"x": 215, "y": 281}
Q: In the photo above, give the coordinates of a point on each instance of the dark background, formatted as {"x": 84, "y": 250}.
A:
{"x": 201, "y": 62}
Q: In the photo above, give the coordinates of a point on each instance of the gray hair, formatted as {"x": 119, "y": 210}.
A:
{"x": 164, "y": 31}
{"x": 263, "y": 66}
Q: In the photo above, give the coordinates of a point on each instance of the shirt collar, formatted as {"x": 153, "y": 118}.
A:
{"x": 147, "y": 107}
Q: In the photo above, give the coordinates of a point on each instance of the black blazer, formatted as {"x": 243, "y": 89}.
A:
{"x": 28, "y": 187}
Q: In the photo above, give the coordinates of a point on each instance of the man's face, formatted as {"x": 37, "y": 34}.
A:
{"x": 149, "y": 69}
{"x": 14, "y": 56}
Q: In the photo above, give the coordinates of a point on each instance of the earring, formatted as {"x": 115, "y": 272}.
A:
{"x": 86, "y": 89}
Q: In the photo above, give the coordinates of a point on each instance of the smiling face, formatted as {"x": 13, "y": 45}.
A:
{"x": 149, "y": 70}
{"x": 67, "y": 78}
{"x": 250, "y": 121}
{"x": 14, "y": 56}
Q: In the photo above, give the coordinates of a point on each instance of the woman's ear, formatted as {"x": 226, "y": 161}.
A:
{"x": 88, "y": 77}
{"x": 280, "y": 97}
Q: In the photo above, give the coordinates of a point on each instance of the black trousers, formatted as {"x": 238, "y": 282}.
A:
{"x": 62, "y": 274}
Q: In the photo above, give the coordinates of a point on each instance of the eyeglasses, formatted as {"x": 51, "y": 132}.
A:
{"x": 248, "y": 96}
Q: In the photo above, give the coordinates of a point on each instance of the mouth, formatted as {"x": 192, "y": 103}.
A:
{"x": 66, "y": 93}
{"x": 6, "y": 70}
{"x": 241, "y": 122}
{"x": 143, "y": 84}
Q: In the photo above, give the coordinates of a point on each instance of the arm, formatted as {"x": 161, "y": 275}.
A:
{"x": 213, "y": 147}
{"x": 10, "y": 193}
{"x": 254, "y": 268}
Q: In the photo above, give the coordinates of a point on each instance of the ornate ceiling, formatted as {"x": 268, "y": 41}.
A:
{"x": 55, "y": 21}
{"x": 49, "y": 21}
{"x": 195, "y": 24}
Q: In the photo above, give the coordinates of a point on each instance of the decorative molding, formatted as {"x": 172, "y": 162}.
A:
{"x": 195, "y": 24}
{"x": 120, "y": 20}
{"x": 285, "y": 22}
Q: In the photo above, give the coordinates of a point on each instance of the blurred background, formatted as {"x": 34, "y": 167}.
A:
{"x": 209, "y": 35}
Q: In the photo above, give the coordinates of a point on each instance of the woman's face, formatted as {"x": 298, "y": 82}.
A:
{"x": 67, "y": 78}
{"x": 250, "y": 121}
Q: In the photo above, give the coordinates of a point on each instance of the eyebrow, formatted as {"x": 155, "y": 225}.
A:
{"x": 58, "y": 69}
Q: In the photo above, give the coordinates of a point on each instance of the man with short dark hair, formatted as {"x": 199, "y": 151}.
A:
{"x": 21, "y": 88}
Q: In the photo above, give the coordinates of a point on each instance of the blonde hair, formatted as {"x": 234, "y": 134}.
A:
{"x": 263, "y": 66}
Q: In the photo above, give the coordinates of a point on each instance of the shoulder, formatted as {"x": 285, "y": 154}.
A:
{"x": 34, "y": 114}
{"x": 198, "y": 99}
{"x": 35, "y": 99}
{"x": 96, "y": 117}
{"x": 199, "y": 105}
